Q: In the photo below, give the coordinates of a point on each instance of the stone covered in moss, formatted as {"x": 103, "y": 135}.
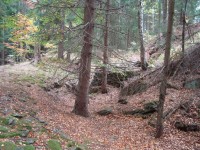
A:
{"x": 54, "y": 145}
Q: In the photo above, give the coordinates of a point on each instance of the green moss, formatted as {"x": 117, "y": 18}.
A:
{"x": 8, "y": 146}
{"x": 3, "y": 129}
{"x": 42, "y": 130}
{"x": 53, "y": 145}
{"x": 6, "y": 121}
{"x": 29, "y": 147}
{"x": 24, "y": 124}
{"x": 9, "y": 135}
{"x": 38, "y": 79}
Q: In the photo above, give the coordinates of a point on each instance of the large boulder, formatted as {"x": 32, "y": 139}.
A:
{"x": 105, "y": 112}
{"x": 134, "y": 88}
{"x": 113, "y": 78}
{"x": 186, "y": 127}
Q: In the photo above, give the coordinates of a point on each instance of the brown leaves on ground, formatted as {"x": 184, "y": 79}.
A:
{"x": 112, "y": 132}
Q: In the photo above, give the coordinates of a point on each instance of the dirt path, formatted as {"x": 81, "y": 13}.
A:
{"x": 113, "y": 132}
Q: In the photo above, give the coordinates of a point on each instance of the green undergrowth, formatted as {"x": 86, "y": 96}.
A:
{"x": 13, "y": 146}
{"x": 54, "y": 145}
{"x": 11, "y": 128}
{"x": 38, "y": 79}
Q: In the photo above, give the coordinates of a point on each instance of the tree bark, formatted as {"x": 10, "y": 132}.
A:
{"x": 159, "y": 22}
{"x": 3, "y": 56}
{"x": 82, "y": 99}
{"x": 69, "y": 50}
{"x": 142, "y": 49}
{"x": 61, "y": 42}
{"x": 164, "y": 12}
{"x": 37, "y": 54}
{"x": 183, "y": 30}
{"x": 3, "y": 49}
{"x": 163, "y": 86}
{"x": 105, "y": 52}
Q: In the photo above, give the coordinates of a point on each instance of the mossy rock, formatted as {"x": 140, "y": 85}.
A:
{"x": 113, "y": 78}
{"x": 192, "y": 84}
{"x": 3, "y": 129}
{"x": 134, "y": 88}
{"x": 186, "y": 127}
{"x": 105, "y": 112}
{"x": 18, "y": 116}
{"x": 54, "y": 145}
{"x": 122, "y": 101}
{"x": 134, "y": 112}
{"x": 8, "y": 146}
{"x": 30, "y": 141}
{"x": 23, "y": 125}
{"x": 8, "y": 121}
{"x": 150, "y": 107}
{"x": 78, "y": 148}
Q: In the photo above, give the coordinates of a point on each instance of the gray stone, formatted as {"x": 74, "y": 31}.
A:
{"x": 105, "y": 112}
{"x": 123, "y": 101}
{"x": 30, "y": 140}
{"x": 24, "y": 133}
{"x": 16, "y": 115}
{"x": 192, "y": 84}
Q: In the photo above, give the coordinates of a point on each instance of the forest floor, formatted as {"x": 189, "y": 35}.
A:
{"x": 49, "y": 114}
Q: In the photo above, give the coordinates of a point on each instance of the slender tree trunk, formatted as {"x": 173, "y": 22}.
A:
{"x": 159, "y": 21}
{"x": 183, "y": 30}
{"x": 3, "y": 56}
{"x": 37, "y": 54}
{"x": 105, "y": 52}
{"x": 69, "y": 50}
{"x": 61, "y": 43}
{"x": 3, "y": 49}
{"x": 128, "y": 37}
{"x": 159, "y": 127}
{"x": 82, "y": 99}
{"x": 61, "y": 50}
{"x": 142, "y": 49}
{"x": 164, "y": 5}
{"x": 164, "y": 12}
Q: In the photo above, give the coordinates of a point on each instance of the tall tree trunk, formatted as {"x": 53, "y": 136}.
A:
{"x": 3, "y": 49}
{"x": 69, "y": 50}
{"x": 164, "y": 12}
{"x": 61, "y": 42}
{"x": 105, "y": 52}
{"x": 3, "y": 56}
{"x": 164, "y": 5}
{"x": 37, "y": 54}
{"x": 61, "y": 50}
{"x": 183, "y": 30}
{"x": 159, "y": 21}
{"x": 128, "y": 37}
{"x": 159, "y": 127}
{"x": 82, "y": 99}
{"x": 142, "y": 49}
